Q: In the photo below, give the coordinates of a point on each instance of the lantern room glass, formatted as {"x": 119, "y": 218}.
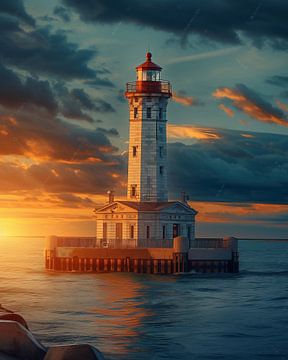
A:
{"x": 148, "y": 75}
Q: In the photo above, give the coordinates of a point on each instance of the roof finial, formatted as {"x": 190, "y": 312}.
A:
{"x": 148, "y": 56}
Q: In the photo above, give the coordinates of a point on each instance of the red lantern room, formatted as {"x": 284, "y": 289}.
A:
{"x": 148, "y": 80}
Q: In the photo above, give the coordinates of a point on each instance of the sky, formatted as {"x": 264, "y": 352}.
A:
{"x": 64, "y": 120}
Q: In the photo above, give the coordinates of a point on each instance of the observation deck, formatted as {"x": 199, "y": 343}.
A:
{"x": 148, "y": 87}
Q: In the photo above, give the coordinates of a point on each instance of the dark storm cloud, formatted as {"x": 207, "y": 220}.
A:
{"x": 221, "y": 21}
{"x": 253, "y": 104}
{"x": 37, "y": 134}
{"x": 45, "y": 53}
{"x": 278, "y": 80}
{"x": 77, "y": 103}
{"x": 232, "y": 168}
{"x": 16, "y": 8}
{"x": 59, "y": 178}
{"x": 28, "y": 91}
{"x": 62, "y": 12}
{"x": 15, "y": 93}
{"x": 110, "y": 132}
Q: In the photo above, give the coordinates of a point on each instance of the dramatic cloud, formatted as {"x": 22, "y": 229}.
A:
{"x": 233, "y": 168}
{"x": 190, "y": 131}
{"x": 252, "y": 104}
{"x": 242, "y": 213}
{"x": 183, "y": 99}
{"x": 220, "y": 165}
{"x": 68, "y": 178}
{"x": 226, "y": 109}
{"x": 77, "y": 104}
{"x": 278, "y": 80}
{"x": 36, "y": 134}
{"x": 223, "y": 21}
{"x": 282, "y": 106}
{"x": 62, "y": 12}
{"x": 17, "y": 93}
{"x": 15, "y": 8}
{"x": 40, "y": 51}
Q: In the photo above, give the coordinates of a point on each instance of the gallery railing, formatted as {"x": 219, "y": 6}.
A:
{"x": 93, "y": 242}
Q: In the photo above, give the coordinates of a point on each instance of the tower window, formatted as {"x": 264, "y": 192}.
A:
{"x": 135, "y": 112}
{"x": 133, "y": 190}
{"x": 134, "y": 151}
{"x": 148, "y": 113}
{"x": 161, "y": 151}
{"x": 147, "y": 232}
{"x": 136, "y": 99}
{"x": 161, "y": 170}
{"x": 160, "y": 113}
{"x": 163, "y": 232}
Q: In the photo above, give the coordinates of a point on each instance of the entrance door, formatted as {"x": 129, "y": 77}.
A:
{"x": 176, "y": 230}
{"x": 119, "y": 234}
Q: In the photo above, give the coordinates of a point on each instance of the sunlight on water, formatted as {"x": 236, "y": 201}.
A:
{"x": 154, "y": 317}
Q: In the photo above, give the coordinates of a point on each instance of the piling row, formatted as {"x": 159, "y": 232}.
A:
{"x": 179, "y": 264}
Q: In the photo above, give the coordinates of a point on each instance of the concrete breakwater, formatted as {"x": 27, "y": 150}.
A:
{"x": 76, "y": 254}
{"x": 17, "y": 342}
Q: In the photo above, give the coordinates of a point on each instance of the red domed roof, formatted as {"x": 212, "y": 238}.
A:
{"x": 148, "y": 64}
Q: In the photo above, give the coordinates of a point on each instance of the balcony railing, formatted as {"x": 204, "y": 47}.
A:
{"x": 163, "y": 87}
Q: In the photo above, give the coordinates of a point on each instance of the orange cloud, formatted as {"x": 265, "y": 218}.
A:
{"x": 185, "y": 100}
{"x": 189, "y": 131}
{"x": 250, "y": 103}
{"x": 281, "y": 105}
{"x": 219, "y": 212}
{"x": 249, "y": 136}
{"x": 227, "y": 110}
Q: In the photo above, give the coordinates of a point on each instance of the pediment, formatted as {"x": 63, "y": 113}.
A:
{"x": 115, "y": 207}
{"x": 179, "y": 208}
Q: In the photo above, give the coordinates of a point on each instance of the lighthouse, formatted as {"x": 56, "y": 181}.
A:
{"x": 147, "y": 166}
{"x": 146, "y": 232}
{"x": 146, "y": 218}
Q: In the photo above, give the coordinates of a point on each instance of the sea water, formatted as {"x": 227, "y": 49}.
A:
{"x": 130, "y": 316}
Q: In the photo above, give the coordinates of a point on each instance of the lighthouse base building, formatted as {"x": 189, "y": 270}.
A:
{"x": 144, "y": 224}
{"x": 145, "y": 233}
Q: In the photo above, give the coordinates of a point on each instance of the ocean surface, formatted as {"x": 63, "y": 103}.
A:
{"x": 129, "y": 316}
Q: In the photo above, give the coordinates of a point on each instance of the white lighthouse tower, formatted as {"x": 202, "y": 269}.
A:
{"x": 147, "y": 170}
{"x": 147, "y": 218}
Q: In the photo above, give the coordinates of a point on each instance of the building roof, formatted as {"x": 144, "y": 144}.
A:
{"x": 149, "y": 206}
{"x": 148, "y": 64}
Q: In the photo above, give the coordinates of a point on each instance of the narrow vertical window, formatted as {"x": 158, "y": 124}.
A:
{"x": 135, "y": 112}
{"x": 134, "y": 151}
{"x": 147, "y": 232}
{"x": 148, "y": 113}
{"x": 161, "y": 151}
{"x": 163, "y": 232}
{"x": 161, "y": 170}
{"x": 160, "y": 113}
{"x": 132, "y": 232}
{"x": 104, "y": 231}
{"x": 133, "y": 190}
{"x": 189, "y": 232}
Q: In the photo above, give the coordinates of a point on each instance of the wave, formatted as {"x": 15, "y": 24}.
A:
{"x": 263, "y": 273}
